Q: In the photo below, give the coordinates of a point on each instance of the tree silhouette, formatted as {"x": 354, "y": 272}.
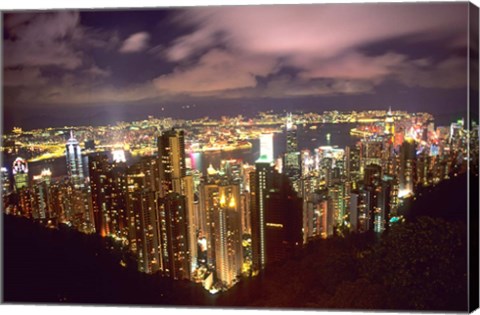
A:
{"x": 422, "y": 265}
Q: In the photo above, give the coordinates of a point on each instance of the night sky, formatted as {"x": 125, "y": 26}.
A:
{"x": 96, "y": 67}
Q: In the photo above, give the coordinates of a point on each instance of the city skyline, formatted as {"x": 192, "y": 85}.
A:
{"x": 89, "y": 66}
{"x": 300, "y": 156}
{"x": 217, "y": 225}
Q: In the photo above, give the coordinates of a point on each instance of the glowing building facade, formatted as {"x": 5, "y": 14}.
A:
{"x": 266, "y": 147}
{"x": 74, "y": 162}
{"x": 228, "y": 236}
{"x": 20, "y": 173}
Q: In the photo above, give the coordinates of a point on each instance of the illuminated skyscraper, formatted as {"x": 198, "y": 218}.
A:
{"x": 174, "y": 236}
{"x": 74, "y": 162}
{"x": 118, "y": 211}
{"x": 292, "y": 164}
{"x": 367, "y": 205}
{"x": 389, "y": 124}
{"x": 6, "y": 191}
{"x": 66, "y": 198}
{"x": 146, "y": 230}
{"x": 371, "y": 152}
{"x": 424, "y": 169}
{"x": 266, "y": 146}
{"x": 326, "y": 171}
{"x": 260, "y": 183}
{"x": 188, "y": 190}
{"x": 144, "y": 220}
{"x": 372, "y": 174}
{"x": 174, "y": 179}
{"x": 291, "y": 130}
{"x": 119, "y": 156}
{"x": 354, "y": 211}
{"x": 272, "y": 204}
{"x": 5, "y": 178}
{"x": 352, "y": 164}
{"x": 384, "y": 205}
{"x": 209, "y": 200}
{"x": 58, "y": 202}
{"x": 41, "y": 196}
{"x": 314, "y": 212}
{"x": 26, "y": 197}
{"x": 407, "y": 174}
{"x": 337, "y": 196}
{"x": 20, "y": 173}
{"x": 171, "y": 151}
{"x": 100, "y": 187}
{"x": 82, "y": 214}
{"x": 228, "y": 236}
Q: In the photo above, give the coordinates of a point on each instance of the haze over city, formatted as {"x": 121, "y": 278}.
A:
{"x": 106, "y": 65}
{"x": 295, "y": 156}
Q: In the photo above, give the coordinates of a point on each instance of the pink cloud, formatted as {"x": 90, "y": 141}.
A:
{"x": 313, "y": 30}
{"x": 354, "y": 66}
{"x": 216, "y": 71}
{"x": 135, "y": 43}
{"x": 449, "y": 73}
{"x": 22, "y": 77}
{"x": 321, "y": 41}
{"x": 186, "y": 45}
{"x": 97, "y": 72}
{"x": 40, "y": 40}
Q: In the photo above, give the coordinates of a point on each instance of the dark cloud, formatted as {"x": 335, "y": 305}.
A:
{"x": 325, "y": 41}
{"x": 41, "y": 40}
{"x": 23, "y": 77}
{"x": 234, "y": 53}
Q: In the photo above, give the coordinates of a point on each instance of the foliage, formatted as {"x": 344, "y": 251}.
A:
{"x": 422, "y": 265}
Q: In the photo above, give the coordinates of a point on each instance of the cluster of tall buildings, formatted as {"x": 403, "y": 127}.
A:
{"x": 51, "y": 201}
{"x": 363, "y": 187}
{"x": 234, "y": 221}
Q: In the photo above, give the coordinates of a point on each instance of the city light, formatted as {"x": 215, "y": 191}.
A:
{"x": 181, "y": 152}
{"x": 119, "y": 156}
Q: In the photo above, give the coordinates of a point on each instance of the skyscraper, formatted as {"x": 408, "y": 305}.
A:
{"x": 268, "y": 190}
{"x": 146, "y": 230}
{"x": 354, "y": 211}
{"x": 384, "y": 205}
{"x": 41, "y": 196}
{"x": 209, "y": 199}
{"x": 407, "y": 167}
{"x": 107, "y": 186}
{"x": 228, "y": 236}
{"x": 25, "y": 203}
{"x": 291, "y": 130}
{"x": 98, "y": 169}
{"x": 283, "y": 221}
{"x": 74, "y": 162}
{"x": 118, "y": 211}
{"x": 389, "y": 124}
{"x": 266, "y": 146}
{"x": 139, "y": 179}
{"x": 372, "y": 174}
{"x": 20, "y": 173}
{"x": 171, "y": 151}
{"x": 260, "y": 182}
{"x": 338, "y": 204}
{"x": 5, "y": 181}
{"x": 292, "y": 163}
{"x": 82, "y": 214}
{"x": 174, "y": 179}
{"x": 174, "y": 236}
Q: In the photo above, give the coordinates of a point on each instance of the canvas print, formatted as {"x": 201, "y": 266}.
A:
{"x": 319, "y": 156}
